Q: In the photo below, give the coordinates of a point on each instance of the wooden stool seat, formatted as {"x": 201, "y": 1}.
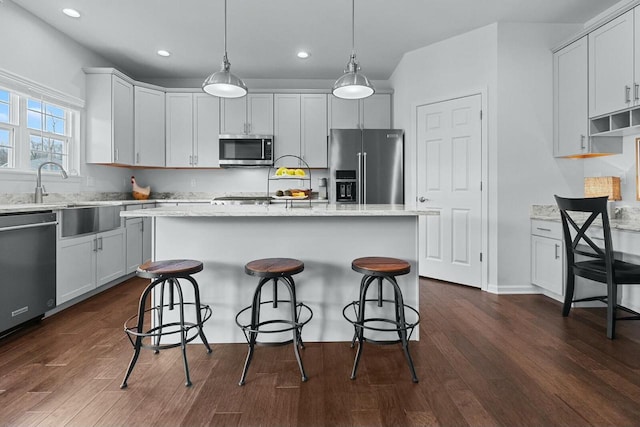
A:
{"x": 172, "y": 267}
{"x": 381, "y": 266}
{"x": 274, "y": 267}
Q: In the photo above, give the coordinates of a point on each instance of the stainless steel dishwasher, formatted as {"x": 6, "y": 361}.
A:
{"x": 27, "y": 267}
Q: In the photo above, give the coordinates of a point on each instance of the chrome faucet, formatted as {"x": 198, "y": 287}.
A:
{"x": 40, "y": 191}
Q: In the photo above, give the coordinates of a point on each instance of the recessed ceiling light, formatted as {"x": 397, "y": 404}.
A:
{"x": 303, "y": 55}
{"x": 71, "y": 12}
{"x": 163, "y": 52}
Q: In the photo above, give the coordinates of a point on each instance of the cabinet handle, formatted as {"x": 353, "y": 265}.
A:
{"x": 191, "y": 160}
{"x": 557, "y": 247}
{"x": 95, "y": 245}
{"x": 544, "y": 229}
{"x": 636, "y": 90}
{"x": 99, "y": 243}
{"x": 627, "y": 94}
{"x": 582, "y": 138}
{"x": 195, "y": 160}
{"x": 116, "y": 154}
{"x": 138, "y": 157}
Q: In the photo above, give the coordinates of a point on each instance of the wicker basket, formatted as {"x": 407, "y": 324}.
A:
{"x": 598, "y": 186}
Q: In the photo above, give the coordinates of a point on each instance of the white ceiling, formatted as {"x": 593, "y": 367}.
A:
{"x": 264, "y": 35}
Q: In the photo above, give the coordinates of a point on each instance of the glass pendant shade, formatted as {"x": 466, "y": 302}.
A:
{"x": 224, "y": 83}
{"x": 352, "y": 84}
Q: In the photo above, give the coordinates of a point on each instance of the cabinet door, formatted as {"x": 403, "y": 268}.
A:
{"x": 313, "y": 123}
{"x": 546, "y": 264}
{"x": 146, "y": 239}
{"x": 260, "y": 114}
{"x": 75, "y": 267}
{"x": 233, "y": 116}
{"x": 611, "y": 66}
{"x": 570, "y": 111}
{"x": 179, "y": 132}
{"x": 110, "y": 259}
{"x": 287, "y": 125}
{"x": 122, "y": 117}
{"x": 206, "y": 128}
{"x": 344, "y": 113}
{"x": 149, "y": 127}
{"x": 134, "y": 243}
{"x": 376, "y": 111}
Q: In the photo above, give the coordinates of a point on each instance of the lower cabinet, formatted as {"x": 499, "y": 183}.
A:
{"x": 86, "y": 262}
{"x": 547, "y": 256}
{"x": 138, "y": 242}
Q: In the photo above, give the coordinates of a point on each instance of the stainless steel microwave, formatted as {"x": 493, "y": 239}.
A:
{"x": 246, "y": 150}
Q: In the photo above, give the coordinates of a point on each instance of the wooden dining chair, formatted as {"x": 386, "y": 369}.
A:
{"x": 583, "y": 221}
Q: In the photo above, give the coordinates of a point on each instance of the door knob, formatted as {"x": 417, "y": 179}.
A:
{"x": 422, "y": 200}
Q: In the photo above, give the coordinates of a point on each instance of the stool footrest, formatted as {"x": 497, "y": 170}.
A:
{"x": 408, "y": 326}
{"x": 161, "y": 330}
{"x": 301, "y": 309}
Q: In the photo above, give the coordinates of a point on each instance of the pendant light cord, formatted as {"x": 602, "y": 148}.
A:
{"x": 353, "y": 25}
{"x": 225, "y": 29}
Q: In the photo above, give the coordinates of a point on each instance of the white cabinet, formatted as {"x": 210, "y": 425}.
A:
{"x": 251, "y": 114}
{"x": 138, "y": 237}
{"x": 149, "y": 127}
{"x": 192, "y": 128}
{"x": 547, "y": 256}
{"x": 612, "y": 86}
{"x": 86, "y": 262}
{"x": 109, "y": 119}
{"x": 373, "y": 112}
{"x": 570, "y": 87}
{"x": 301, "y": 127}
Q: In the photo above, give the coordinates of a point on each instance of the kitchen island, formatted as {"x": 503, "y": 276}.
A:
{"x": 325, "y": 237}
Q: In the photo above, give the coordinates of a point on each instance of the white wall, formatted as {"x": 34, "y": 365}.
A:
{"x": 527, "y": 173}
{"x": 512, "y": 64}
{"x": 34, "y": 50}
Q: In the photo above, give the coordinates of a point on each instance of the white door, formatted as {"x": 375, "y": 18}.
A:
{"x": 449, "y": 180}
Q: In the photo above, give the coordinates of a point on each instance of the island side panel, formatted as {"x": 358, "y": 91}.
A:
{"x": 326, "y": 245}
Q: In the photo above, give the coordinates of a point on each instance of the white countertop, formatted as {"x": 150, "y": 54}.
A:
{"x": 277, "y": 210}
{"x": 629, "y": 219}
{"x": 34, "y": 207}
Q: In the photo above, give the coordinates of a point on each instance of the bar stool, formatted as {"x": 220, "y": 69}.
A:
{"x": 276, "y": 270}
{"x": 381, "y": 269}
{"x": 167, "y": 272}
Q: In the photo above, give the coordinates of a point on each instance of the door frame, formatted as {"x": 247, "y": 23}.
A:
{"x": 484, "y": 147}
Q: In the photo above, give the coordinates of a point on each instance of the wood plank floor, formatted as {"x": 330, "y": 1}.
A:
{"x": 482, "y": 360}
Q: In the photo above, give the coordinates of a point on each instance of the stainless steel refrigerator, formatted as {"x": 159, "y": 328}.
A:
{"x": 366, "y": 166}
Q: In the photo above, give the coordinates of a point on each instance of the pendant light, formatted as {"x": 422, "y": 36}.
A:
{"x": 224, "y": 83}
{"x": 353, "y": 85}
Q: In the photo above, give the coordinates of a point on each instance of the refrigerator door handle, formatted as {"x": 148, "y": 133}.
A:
{"x": 359, "y": 183}
{"x": 364, "y": 173}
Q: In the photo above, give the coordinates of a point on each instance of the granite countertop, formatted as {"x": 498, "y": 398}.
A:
{"x": 626, "y": 218}
{"x": 277, "y": 210}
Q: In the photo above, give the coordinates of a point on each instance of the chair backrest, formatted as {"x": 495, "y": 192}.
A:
{"x": 578, "y": 217}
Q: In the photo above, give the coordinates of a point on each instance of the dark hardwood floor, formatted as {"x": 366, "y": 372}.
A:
{"x": 482, "y": 360}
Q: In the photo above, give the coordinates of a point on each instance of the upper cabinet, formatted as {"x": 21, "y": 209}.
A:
{"x": 612, "y": 86}
{"x": 109, "y": 119}
{"x": 149, "y": 129}
{"x": 570, "y": 122}
{"x": 301, "y": 127}
{"x": 251, "y": 114}
{"x": 373, "y": 112}
{"x": 192, "y": 128}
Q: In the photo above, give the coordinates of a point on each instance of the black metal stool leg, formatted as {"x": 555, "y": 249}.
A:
{"x": 360, "y": 322}
{"x": 196, "y": 292}
{"x": 159, "y": 311}
{"x": 175, "y": 284}
{"x": 294, "y": 318}
{"x": 402, "y": 329}
{"x": 363, "y": 284}
{"x": 138, "y": 342}
{"x": 255, "y": 319}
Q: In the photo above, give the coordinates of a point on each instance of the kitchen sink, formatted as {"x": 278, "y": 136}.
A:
{"x": 78, "y": 218}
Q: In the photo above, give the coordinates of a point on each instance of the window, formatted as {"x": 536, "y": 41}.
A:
{"x": 48, "y": 134}
{"x": 34, "y": 131}
{"x": 7, "y": 131}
